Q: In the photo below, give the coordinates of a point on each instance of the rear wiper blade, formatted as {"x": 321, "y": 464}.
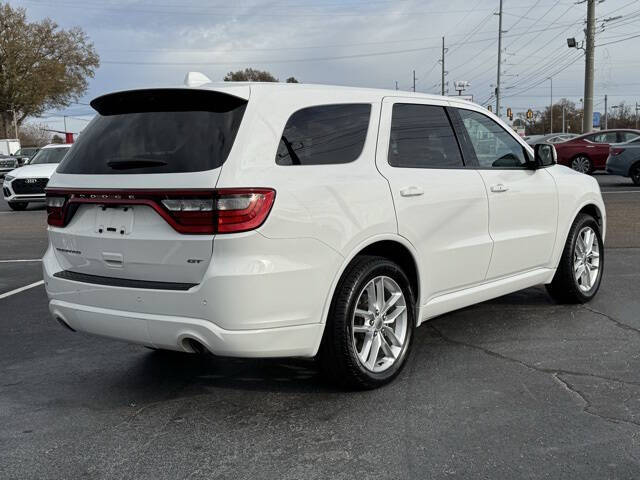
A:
{"x": 131, "y": 164}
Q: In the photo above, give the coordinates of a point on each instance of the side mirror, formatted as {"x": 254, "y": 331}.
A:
{"x": 545, "y": 155}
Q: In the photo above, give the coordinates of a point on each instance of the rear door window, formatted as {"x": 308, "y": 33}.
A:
{"x": 627, "y": 136}
{"x": 157, "y": 131}
{"x": 325, "y": 134}
{"x": 422, "y": 137}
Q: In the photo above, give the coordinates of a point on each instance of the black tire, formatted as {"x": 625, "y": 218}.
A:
{"x": 578, "y": 161}
{"x": 564, "y": 287}
{"x": 18, "y": 206}
{"x": 634, "y": 174}
{"x": 338, "y": 357}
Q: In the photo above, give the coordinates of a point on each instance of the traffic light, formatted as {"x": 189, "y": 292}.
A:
{"x": 529, "y": 114}
{"x": 509, "y": 112}
{"x": 489, "y": 108}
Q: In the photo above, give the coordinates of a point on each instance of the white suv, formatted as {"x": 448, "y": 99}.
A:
{"x": 26, "y": 184}
{"x": 274, "y": 220}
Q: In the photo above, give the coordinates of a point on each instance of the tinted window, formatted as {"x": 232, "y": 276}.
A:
{"x": 607, "y": 137}
{"x": 626, "y": 136}
{"x": 494, "y": 147}
{"x": 422, "y": 137}
{"x": 49, "y": 155}
{"x": 157, "y": 131}
{"x": 324, "y": 134}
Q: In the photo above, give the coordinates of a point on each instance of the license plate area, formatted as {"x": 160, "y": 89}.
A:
{"x": 114, "y": 220}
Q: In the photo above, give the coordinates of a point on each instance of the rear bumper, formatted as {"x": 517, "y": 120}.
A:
{"x": 175, "y": 333}
{"x": 259, "y": 297}
{"x": 617, "y": 166}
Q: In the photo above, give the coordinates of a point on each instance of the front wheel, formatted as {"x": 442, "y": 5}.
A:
{"x": 18, "y": 206}
{"x": 634, "y": 173}
{"x": 579, "y": 273}
{"x": 582, "y": 164}
{"x": 370, "y": 326}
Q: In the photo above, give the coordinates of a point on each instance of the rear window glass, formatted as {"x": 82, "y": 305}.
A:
{"x": 324, "y": 135}
{"x": 422, "y": 137}
{"x": 157, "y": 131}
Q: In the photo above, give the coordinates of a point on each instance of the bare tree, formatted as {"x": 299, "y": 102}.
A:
{"x": 42, "y": 66}
{"x": 32, "y": 135}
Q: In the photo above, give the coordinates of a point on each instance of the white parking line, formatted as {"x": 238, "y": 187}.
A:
{"x": 21, "y": 289}
{"x": 22, "y": 261}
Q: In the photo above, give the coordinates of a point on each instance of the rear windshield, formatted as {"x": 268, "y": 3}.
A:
{"x": 49, "y": 155}
{"x": 157, "y": 131}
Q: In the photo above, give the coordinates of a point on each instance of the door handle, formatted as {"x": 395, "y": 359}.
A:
{"x": 411, "y": 191}
{"x": 499, "y": 188}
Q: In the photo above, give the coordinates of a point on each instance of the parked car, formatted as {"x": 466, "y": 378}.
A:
{"x": 26, "y": 184}
{"x": 551, "y": 138}
{"x": 589, "y": 152}
{"x": 8, "y": 163}
{"x": 276, "y": 220}
{"x": 624, "y": 159}
{"x": 26, "y": 154}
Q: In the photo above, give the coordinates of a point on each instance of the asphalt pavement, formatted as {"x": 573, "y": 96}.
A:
{"x": 517, "y": 387}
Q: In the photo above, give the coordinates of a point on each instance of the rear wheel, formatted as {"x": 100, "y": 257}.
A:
{"x": 370, "y": 326}
{"x": 579, "y": 273}
{"x": 18, "y": 205}
{"x": 634, "y": 173}
{"x": 582, "y": 164}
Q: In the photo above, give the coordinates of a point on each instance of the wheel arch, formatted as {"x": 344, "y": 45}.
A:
{"x": 632, "y": 166}
{"x": 392, "y": 247}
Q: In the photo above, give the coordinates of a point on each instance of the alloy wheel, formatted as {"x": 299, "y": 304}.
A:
{"x": 379, "y": 324}
{"x": 581, "y": 164}
{"x": 586, "y": 259}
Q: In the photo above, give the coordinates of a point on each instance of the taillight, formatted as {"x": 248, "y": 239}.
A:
{"x": 240, "y": 210}
{"x": 229, "y": 210}
{"x": 615, "y": 151}
{"x": 55, "y": 210}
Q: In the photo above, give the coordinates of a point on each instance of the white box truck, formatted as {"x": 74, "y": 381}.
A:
{"x": 9, "y": 146}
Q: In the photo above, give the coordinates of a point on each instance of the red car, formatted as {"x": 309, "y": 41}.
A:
{"x": 589, "y": 152}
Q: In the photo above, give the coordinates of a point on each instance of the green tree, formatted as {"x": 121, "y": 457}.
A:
{"x": 253, "y": 75}
{"x": 250, "y": 75}
{"x": 42, "y": 66}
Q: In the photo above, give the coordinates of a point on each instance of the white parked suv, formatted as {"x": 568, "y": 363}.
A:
{"x": 26, "y": 184}
{"x": 275, "y": 220}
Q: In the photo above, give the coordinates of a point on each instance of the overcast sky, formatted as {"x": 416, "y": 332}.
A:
{"x": 371, "y": 43}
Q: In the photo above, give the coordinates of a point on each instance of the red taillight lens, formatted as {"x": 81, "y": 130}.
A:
{"x": 240, "y": 210}
{"x": 616, "y": 151}
{"x": 56, "y": 210}
{"x": 187, "y": 211}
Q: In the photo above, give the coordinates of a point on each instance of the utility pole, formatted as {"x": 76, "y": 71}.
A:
{"x": 637, "y": 109}
{"x": 551, "y": 107}
{"x": 606, "y": 113}
{"x": 587, "y": 119}
{"x": 563, "y": 130}
{"x": 396, "y": 85}
{"x": 499, "y": 60}
{"x": 65, "y": 124}
{"x": 414, "y": 80}
{"x": 442, "y": 66}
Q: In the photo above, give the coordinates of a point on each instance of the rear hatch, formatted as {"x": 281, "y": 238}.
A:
{"x": 134, "y": 197}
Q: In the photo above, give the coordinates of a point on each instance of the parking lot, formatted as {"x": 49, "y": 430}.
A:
{"x": 515, "y": 387}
